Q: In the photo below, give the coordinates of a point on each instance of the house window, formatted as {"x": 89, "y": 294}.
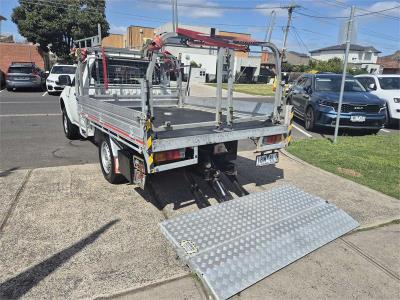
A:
{"x": 367, "y": 56}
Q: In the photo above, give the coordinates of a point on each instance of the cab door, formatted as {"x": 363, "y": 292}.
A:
{"x": 295, "y": 95}
{"x": 305, "y": 94}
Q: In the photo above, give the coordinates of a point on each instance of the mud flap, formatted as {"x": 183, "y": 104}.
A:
{"x": 233, "y": 245}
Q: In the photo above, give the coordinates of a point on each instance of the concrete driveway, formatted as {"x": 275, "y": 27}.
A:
{"x": 66, "y": 233}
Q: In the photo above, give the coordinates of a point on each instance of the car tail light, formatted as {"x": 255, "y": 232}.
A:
{"x": 169, "y": 155}
{"x": 272, "y": 139}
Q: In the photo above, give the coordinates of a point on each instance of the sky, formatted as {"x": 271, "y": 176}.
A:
{"x": 315, "y": 23}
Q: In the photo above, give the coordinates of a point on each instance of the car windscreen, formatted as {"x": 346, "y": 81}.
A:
{"x": 332, "y": 84}
{"x": 63, "y": 70}
{"x": 20, "y": 70}
{"x": 389, "y": 83}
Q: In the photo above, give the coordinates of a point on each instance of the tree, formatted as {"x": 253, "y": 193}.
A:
{"x": 334, "y": 65}
{"x": 57, "y": 23}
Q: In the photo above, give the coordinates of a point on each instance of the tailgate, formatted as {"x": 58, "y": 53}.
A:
{"x": 233, "y": 245}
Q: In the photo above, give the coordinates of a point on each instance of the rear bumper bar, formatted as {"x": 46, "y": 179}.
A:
{"x": 217, "y": 137}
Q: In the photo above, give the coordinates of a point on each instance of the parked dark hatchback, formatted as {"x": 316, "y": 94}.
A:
{"x": 315, "y": 99}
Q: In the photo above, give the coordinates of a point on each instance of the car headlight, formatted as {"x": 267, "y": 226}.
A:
{"x": 50, "y": 81}
{"x": 396, "y": 100}
{"x": 327, "y": 104}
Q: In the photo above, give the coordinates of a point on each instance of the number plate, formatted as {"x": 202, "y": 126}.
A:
{"x": 357, "y": 118}
{"x": 267, "y": 159}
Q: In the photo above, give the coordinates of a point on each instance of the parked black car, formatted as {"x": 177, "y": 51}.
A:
{"x": 25, "y": 75}
{"x": 315, "y": 99}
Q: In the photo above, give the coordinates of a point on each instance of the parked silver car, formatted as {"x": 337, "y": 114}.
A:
{"x": 25, "y": 75}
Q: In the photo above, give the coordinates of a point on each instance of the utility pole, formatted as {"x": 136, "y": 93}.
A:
{"x": 290, "y": 9}
{"x": 271, "y": 25}
{"x": 346, "y": 56}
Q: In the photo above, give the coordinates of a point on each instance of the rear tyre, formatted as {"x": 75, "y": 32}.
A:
{"x": 309, "y": 119}
{"x": 71, "y": 131}
{"x": 107, "y": 162}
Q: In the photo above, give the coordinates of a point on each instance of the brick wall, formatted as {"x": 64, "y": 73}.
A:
{"x": 10, "y": 52}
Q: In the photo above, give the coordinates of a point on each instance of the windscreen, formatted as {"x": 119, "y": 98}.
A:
{"x": 332, "y": 84}
{"x": 20, "y": 70}
{"x": 389, "y": 83}
{"x": 63, "y": 70}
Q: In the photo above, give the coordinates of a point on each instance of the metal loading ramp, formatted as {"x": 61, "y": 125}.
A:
{"x": 233, "y": 245}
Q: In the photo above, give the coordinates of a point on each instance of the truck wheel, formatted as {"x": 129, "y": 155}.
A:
{"x": 71, "y": 131}
{"x": 309, "y": 119}
{"x": 107, "y": 162}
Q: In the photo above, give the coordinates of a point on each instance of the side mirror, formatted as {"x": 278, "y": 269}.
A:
{"x": 307, "y": 89}
{"x": 372, "y": 86}
{"x": 64, "y": 80}
{"x": 47, "y": 72}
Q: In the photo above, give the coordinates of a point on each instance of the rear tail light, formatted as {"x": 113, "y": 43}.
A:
{"x": 169, "y": 155}
{"x": 272, "y": 139}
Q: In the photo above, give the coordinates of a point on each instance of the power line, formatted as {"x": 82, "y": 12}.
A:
{"x": 194, "y": 5}
{"x": 341, "y": 4}
{"x": 340, "y": 17}
{"x": 368, "y": 32}
{"x": 52, "y": 3}
{"x": 299, "y": 37}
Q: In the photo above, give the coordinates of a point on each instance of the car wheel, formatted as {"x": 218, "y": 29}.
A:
{"x": 71, "y": 131}
{"x": 309, "y": 119}
{"x": 107, "y": 162}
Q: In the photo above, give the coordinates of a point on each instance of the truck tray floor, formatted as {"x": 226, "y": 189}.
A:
{"x": 235, "y": 244}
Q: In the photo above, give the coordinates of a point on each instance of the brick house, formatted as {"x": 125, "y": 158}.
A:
{"x": 390, "y": 64}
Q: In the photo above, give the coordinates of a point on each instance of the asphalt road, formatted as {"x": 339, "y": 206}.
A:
{"x": 31, "y": 133}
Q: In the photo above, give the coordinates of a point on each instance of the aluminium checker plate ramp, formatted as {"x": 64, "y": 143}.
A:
{"x": 233, "y": 245}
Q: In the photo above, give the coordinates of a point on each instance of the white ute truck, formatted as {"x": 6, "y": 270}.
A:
{"x": 145, "y": 124}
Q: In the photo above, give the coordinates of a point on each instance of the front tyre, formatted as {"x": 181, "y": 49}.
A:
{"x": 309, "y": 120}
{"x": 71, "y": 131}
{"x": 107, "y": 162}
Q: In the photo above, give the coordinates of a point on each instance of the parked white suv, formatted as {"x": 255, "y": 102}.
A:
{"x": 386, "y": 87}
{"x": 52, "y": 83}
